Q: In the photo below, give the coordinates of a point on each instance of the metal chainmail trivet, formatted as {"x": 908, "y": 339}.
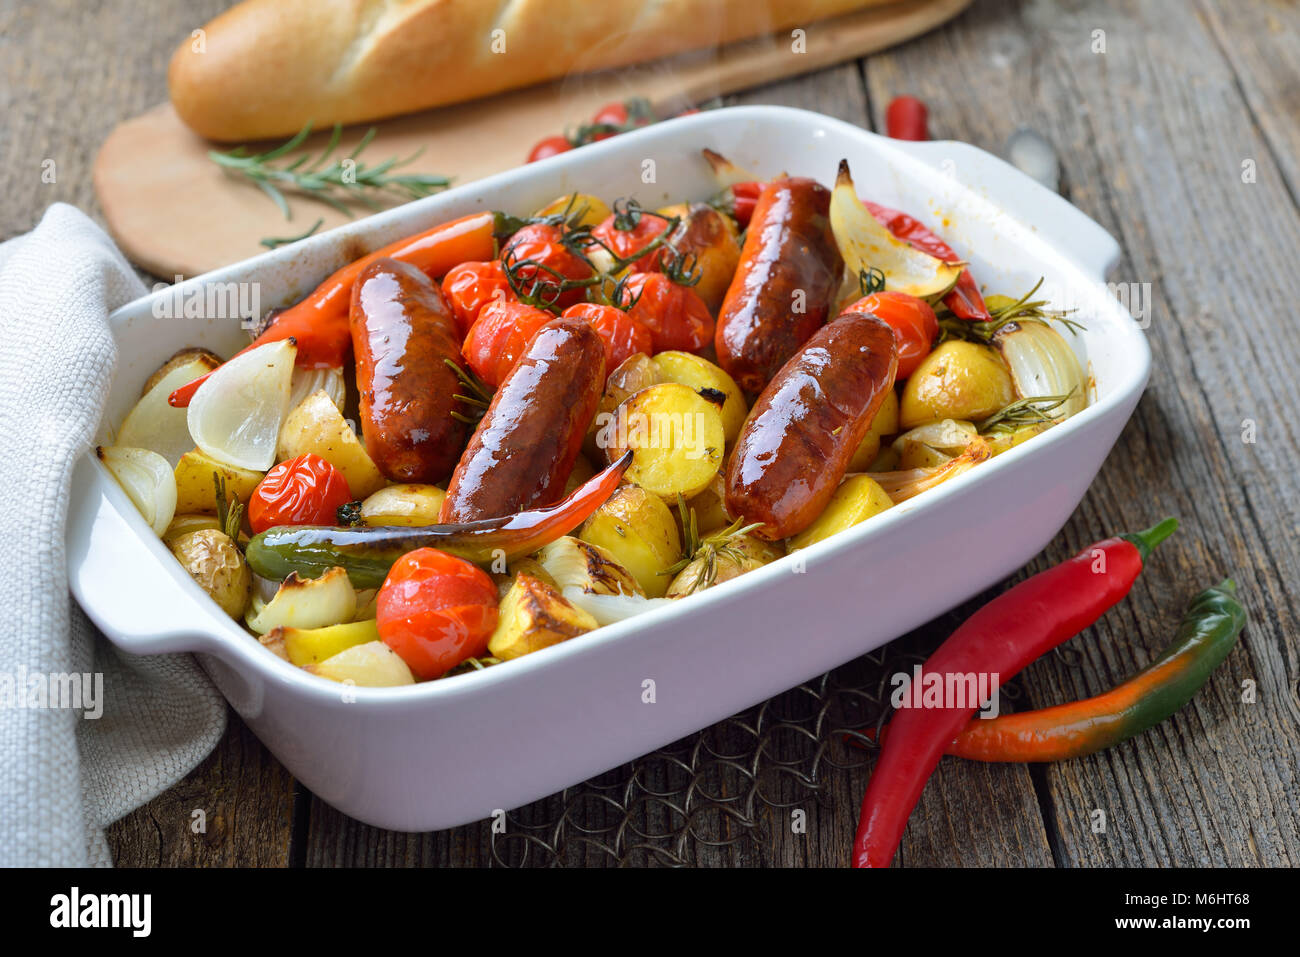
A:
{"x": 726, "y": 787}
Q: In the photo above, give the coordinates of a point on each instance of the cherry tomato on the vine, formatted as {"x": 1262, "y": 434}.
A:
{"x": 471, "y": 286}
{"x": 499, "y": 337}
{"x": 913, "y": 321}
{"x": 436, "y": 610}
{"x": 623, "y": 335}
{"x": 537, "y": 256}
{"x": 676, "y": 316}
{"x": 302, "y": 491}
{"x": 551, "y": 146}
{"x": 626, "y": 243}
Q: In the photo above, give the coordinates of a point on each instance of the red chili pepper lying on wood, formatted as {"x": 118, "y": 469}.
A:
{"x": 964, "y": 300}
{"x": 1207, "y": 633}
{"x": 1000, "y": 639}
{"x": 319, "y": 323}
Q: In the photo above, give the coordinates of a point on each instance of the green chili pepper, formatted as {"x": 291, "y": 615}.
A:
{"x": 1206, "y": 635}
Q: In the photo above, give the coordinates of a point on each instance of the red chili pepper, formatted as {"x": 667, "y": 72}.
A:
{"x": 744, "y": 197}
{"x": 999, "y": 640}
{"x": 964, "y": 300}
{"x": 319, "y": 323}
{"x": 906, "y": 118}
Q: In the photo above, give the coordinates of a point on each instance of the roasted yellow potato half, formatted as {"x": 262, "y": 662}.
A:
{"x": 534, "y": 615}
{"x": 639, "y": 531}
{"x": 410, "y": 504}
{"x": 885, "y": 423}
{"x": 675, "y": 436}
{"x": 709, "y": 380}
{"x": 958, "y": 380}
{"x": 196, "y": 489}
{"x": 318, "y": 427}
{"x": 857, "y": 499}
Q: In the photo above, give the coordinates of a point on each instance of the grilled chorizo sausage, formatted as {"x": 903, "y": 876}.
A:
{"x": 525, "y": 446}
{"x": 805, "y": 427}
{"x": 402, "y": 334}
{"x": 783, "y": 288}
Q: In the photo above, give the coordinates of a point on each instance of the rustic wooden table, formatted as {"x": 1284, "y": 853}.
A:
{"x": 1178, "y": 125}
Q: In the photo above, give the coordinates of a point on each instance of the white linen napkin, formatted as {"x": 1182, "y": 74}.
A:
{"x": 63, "y": 776}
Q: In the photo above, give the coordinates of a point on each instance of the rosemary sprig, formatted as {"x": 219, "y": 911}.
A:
{"x": 230, "y": 511}
{"x": 1024, "y": 309}
{"x": 478, "y": 399}
{"x": 712, "y": 549}
{"x": 275, "y": 242}
{"x": 341, "y": 180}
{"x": 1028, "y": 411}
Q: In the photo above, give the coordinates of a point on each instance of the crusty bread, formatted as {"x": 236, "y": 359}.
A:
{"x": 266, "y": 67}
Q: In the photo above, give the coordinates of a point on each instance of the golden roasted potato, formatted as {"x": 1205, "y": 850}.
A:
{"x": 885, "y": 423}
{"x": 196, "y": 489}
{"x": 711, "y": 238}
{"x": 639, "y": 531}
{"x": 216, "y": 563}
{"x": 184, "y": 524}
{"x": 958, "y": 380}
{"x": 722, "y": 559}
{"x": 629, "y": 377}
{"x": 317, "y": 426}
{"x": 410, "y": 504}
{"x": 708, "y": 379}
{"x": 534, "y": 615}
{"x": 856, "y": 500}
{"x": 676, "y": 438}
{"x": 933, "y": 444}
{"x": 520, "y": 566}
{"x": 309, "y": 646}
{"x": 590, "y": 210}
{"x": 572, "y": 563}
{"x": 372, "y": 665}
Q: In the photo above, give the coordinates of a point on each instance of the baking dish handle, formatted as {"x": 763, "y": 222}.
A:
{"x": 114, "y": 564}
{"x": 1064, "y": 226}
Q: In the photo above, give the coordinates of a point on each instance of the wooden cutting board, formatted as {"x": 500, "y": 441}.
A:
{"x": 176, "y": 213}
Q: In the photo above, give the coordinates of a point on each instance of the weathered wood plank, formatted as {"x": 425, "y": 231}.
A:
{"x": 1153, "y": 150}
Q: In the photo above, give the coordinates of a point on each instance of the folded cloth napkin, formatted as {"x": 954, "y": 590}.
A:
{"x": 65, "y": 776}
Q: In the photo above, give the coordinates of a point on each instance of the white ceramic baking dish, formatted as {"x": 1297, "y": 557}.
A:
{"x": 448, "y": 752}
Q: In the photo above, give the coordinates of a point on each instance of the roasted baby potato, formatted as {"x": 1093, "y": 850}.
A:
{"x": 317, "y": 426}
{"x": 534, "y": 615}
{"x": 856, "y": 500}
{"x": 710, "y": 237}
{"x": 675, "y": 436}
{"x": 885, "y": 423}
{"x": 958, "y": 380}
{"x": 707, "y": 379}
{"x": 372, "y": 665}
{"x": 572, "y": 563}
{"x": 629, "y": 377}
{"x": 411, "y": 504}
{"x": 710, "y": 507}
{"x": 639, "y": 531}
{"x": 196, "y": 490}
{"x": 933, "y": 444}
{"x": 722, "y": 559}
{"x": 214, "y": 561}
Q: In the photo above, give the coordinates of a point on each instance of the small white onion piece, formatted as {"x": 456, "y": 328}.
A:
{"x": 148, "y": 481}
{"x": 235, "y": 416}
{"x": 608, "y": 609}
{"x": 1042, "y": 363}
{"x": 307, "y": 381}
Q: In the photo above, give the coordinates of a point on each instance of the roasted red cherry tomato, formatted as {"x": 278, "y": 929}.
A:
{"x": 536, "y": 255}
{"x": 913, "y": 321}
{"x": 675, "y": 315}
{"x": 435, "y": 610}
{"x": 611, "y": 114}
{"x": 471, "y": 286}
{"x": 906, "y": 118}
{"x": 622, "y": 334}
{"x": 626, "y": 243}
{"x": 302, "y": 491}
{"x": 551, "y": 146}
{"x": 499, "y": 336}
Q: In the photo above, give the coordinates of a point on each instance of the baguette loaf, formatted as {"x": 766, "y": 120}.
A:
{"x": 267, "y": 67}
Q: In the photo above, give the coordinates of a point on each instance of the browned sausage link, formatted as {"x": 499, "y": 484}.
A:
{"x": 805, "y": 427}
{"x": 524, "y": 448}
{"x": 783, "y": 288}
{"x": 402, "y": 335}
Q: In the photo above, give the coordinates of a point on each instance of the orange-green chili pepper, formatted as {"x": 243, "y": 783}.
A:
{"x": 1206, "y": 635}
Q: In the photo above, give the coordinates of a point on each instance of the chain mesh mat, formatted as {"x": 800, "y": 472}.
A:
{"x": 718, "y": 794}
